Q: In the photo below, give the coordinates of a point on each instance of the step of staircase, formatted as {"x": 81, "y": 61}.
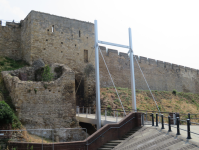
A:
{"x": 150, "y": 138}
{"x": 111, "y": 144}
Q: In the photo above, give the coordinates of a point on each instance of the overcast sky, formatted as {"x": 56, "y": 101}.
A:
{"x": 166, "y": 30}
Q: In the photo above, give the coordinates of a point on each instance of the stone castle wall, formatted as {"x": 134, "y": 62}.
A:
{"x": 67, "y": 41}
{"x": 44, "y": 105}
{"x": 61, "y": 40}
{"x": 10, "y": 40}
{"x": 160, "y": 75}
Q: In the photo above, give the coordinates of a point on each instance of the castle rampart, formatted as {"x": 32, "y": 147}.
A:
{"x": 67, "y": 41}
{"x": 10, "y": 40}
{"x": 160, "y": 75}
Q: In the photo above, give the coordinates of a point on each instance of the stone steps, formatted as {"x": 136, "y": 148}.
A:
{"x": 111, "y": 144}
{"x": 156, "y": 139}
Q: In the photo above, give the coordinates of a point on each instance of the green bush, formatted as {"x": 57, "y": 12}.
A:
{"x": 6, "y": 113}
{"x": 7, "y": 116}
{"x": 47, "y": 75}
{"x": 2, "y": 63}
{"x": 174, "y": 92}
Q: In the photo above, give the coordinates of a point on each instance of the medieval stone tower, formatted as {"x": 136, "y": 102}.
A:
{"x": 52, "y": 39}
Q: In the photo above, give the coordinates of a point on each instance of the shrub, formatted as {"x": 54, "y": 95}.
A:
{"x": 2, "y": 63}
{"x": 174, "y": 92}
{"x": 47, "y": 75}
{"x": 6, "y": 113}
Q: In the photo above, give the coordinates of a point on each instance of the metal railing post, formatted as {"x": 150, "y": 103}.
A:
{"x": 53, "y": 139}
{"x": 156, "y": 119}
{"x": 142, "y": 119}
{"x": 188, "y": 129}
{"x": 117, "y": 116}
{"x": 174, "y": 118}
{"x": 83, "y": 110}
{"x": 162, "y": 121}
{"x": 105, "y": 114}
{"x": 169, "y": 125}
{"x": 86, "y": 112}
{"x": 42, "y": 139}
{"x": 152, "y": 119}
{"x": 146, "y": 116}
{"x": 178, "y": 128}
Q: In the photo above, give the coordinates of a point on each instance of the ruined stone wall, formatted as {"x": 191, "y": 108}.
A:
{"x": 160, "y": 75}
{"x": 43, "y": 104}
{"x": 10, "y": 40}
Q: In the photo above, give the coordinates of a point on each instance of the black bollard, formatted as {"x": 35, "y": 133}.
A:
{"x": 178, "y": 128}
{"x": 188, "y": 129}
{"x": 169, "y": 120}
{"x": 189, "y": 117}
{"x": 152, "y": 119}
{"x": 156, "y": 120}
{"x": 162, "y": 121}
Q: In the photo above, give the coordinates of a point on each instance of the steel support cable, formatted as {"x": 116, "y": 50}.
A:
{"x": 112, "y": 80}
{"x": 147, "y": 84}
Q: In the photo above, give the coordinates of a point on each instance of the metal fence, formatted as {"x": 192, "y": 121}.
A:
{"x": 172, "y": 121}
{"x": 31, "y": 139}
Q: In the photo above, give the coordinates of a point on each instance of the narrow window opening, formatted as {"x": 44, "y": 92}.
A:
{"x": 75, "y": 45}
{"x": 44, "y": 49}
{"x": 79, "y": 33}
{"x": 47, "y": 29}
{"x": 87, "y": 37}
{"x": 46, "y": 39}
{"x": 61, "y": 42}
{"x": 61, "y": 51}
{"x": 52, "y": 28}
{"x": 85, "y": 56}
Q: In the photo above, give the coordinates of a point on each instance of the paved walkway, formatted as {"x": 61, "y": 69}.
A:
{"x": 193, "y": 128}
{"x": 90, "y": 118}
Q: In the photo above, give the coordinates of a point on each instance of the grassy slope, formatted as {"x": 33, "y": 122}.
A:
{"x": 5, "y": 65}
{"x": 183, "y": 103}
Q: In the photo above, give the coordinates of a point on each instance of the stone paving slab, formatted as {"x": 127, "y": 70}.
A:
{"x": 153, "y": 138}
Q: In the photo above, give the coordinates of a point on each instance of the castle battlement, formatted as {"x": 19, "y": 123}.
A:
{"x": 148, "y": 61}
{"x": 56, "y": 39}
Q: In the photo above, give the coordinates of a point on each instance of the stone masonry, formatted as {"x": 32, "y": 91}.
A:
{"x": 56, "y": 39}
{"x": 45, "y": 105}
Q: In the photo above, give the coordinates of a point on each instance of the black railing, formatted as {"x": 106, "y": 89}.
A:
{"x": 177, "y": 123}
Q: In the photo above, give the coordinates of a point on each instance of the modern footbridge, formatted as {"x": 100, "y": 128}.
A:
{"x": 87, "y": 117}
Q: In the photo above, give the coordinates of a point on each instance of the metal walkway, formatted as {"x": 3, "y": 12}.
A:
{"x": 91, "y": 118}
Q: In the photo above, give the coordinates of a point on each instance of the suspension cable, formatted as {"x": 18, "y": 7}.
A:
{"x": 146, "y": 83}
{"x": 112, "y": 80}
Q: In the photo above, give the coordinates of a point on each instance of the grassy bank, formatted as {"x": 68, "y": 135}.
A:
{"x": 168, "y": 101}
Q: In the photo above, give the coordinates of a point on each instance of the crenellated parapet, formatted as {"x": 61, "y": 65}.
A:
{"x": 160, "y": 75}
{"x": 147, "y": 61}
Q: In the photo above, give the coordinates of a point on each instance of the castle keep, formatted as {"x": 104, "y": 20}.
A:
{"x": 70, "y": 42}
